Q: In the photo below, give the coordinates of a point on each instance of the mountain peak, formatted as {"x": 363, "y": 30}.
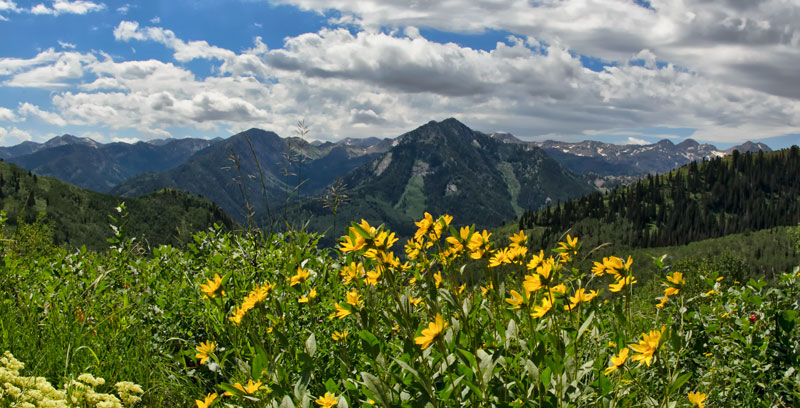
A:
{"x": 751, "y": 147}
{"x": 68, "y": 139}
{"x": 688, "y": 143}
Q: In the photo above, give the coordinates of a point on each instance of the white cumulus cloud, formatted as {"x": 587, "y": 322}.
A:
{"x": 59, "y": 7}
{"x": 13, "y": 136}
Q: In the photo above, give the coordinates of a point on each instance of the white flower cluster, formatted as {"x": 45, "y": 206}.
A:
{"x": 37, "y": 392}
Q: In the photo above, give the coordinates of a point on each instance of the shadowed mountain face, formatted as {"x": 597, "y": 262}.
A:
{"x": 254, "y": 170}
{"x": 100, "y": 167}
{"x": 446, "y": 167}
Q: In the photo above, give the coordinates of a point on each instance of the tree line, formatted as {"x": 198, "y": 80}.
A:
{"x": 738, "y": 193}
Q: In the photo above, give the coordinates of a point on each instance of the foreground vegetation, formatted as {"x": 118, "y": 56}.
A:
{"x": 463, "y": 319}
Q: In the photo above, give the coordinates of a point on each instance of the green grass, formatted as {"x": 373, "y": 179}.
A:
{"x": 123, "y": 316}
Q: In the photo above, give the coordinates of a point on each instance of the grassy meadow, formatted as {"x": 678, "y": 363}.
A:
{"x": 453, "y": 317}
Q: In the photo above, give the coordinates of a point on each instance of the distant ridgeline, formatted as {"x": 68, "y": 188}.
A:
{"x": 713, "y": 198}
{"x": 81, "y": 217}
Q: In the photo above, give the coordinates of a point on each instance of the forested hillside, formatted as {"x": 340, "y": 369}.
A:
{"x": 713, "y": 198}
{"x": 76, "y": 216}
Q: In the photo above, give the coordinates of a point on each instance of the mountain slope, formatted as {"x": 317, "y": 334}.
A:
{"x": 446, "y": 167}
{"x": 228, "y": 174}
{"x": 80, "y": 216}
{"x": 99, "y": 167}
{"x": 734, "y": 194}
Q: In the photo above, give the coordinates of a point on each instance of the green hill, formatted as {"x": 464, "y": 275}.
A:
{"x": 713, "y": 198}
{"x": 80, "y": 217}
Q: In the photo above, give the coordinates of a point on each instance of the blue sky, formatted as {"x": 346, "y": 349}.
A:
{"x": 622, "y": 71}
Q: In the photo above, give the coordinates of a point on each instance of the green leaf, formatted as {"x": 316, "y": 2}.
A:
{"x": 311, "y": 345}
{"x": 229, "y": 388}
{"x": 368, "y": 337}
{"x": 679, "y": 383}
{"x": 378, "y": 389}
{"x": 360, "y": 230}
{"x": 787, "y": 319}
{"x": 585, "y": 325}
{"x": 287, "y": 402}
{"x": 259, "y": 363}
{"x": 545, "y": 377}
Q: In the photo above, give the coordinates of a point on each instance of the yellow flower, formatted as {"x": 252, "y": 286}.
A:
{"x": 302, "y": 299}
{"x": 662, "y": 302}
{"x": 671, "y": 291}
{"x": 351, "y": 245}
{"x": 423, "y": 226}
{"x": 720, "y": 278}
{"x": 238, "y": 315}
{"x": 519, "y": 240}
{"x": 532, "y": 283}
{"x": 446, "y": 219}
{"x": 580, "y": 296}
{"x": 461, "y": 289}
{"x": 211, "y": 287}
{"x": 517, "y": 254}
{"x": 336, "y": 336}
{"x": 385, "y": 240}
{"x": 697, "y": 399}
{"x": 515, "y": 300}
{"x": 539, "y": 311}
{"x": 711, "y": 292}
{"x": 726, "y": 314}
{"x": 536, "y": 260}
{"x": 353, "y": 298}
{"x": 571, "y": 244}
{"x": 599, "y": 269}
{"x": 249, "y": 389}
{"x": 545, "y": 270}
{"x": 500, "y": 257}
{"x": 415, "y": 302}
{"x": 372, "y": 277}
{"x": 479, "y": 244}
{"x": 457, "y": 243}
{"x": 628, "y": 263}
{"x": 559, "y": 289}
{"x": 299, "y": 277}
{"x": 428, "y": 335}
{"x": 413, "y": 248}
{"x": 676, "y": 278}
{"x": 647, "y": 346}
{"x": 207, "y": 401}
{"x": 204, "y": 349}
{"x": 487, "y": 288}
{"x": 621, "y": 283}
{"x": 313, "y": 293}
{"x": 327, "y": 401}
{"x": 351, "y": 272}
{"x": 341, "y": 312}
{"x": 617, "y": 361}
{"x": 437, "y": 277}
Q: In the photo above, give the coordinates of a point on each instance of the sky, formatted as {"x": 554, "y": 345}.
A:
{"x": 620, "y": 71}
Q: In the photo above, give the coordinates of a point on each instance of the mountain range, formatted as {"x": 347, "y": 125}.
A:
{"x": 447, "y": 168}
{"x": 439, "y": 167}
